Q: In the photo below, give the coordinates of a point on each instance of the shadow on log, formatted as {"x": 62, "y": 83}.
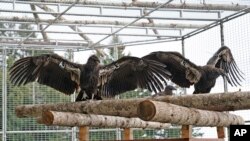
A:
{"x": 149, "y": 110}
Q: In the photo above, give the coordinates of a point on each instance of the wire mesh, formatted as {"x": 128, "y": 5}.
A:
{"x": 39, "y": 137}
{"x": 237, "y": 33}
{"x": 201, "y": 47}
{"x": 103, "y": 135}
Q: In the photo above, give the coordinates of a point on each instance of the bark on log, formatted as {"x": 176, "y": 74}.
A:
{"x": 77, "y": 119}
{"x": 128, "y": 107}
{"x": 123, "y": 107}
{"x": 230, "y": 7}
{"x": 149, "y": 110}
{"x": 102, "y": 22}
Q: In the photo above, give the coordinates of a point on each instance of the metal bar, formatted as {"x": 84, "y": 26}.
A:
{"x": 121, "y": 6}
{"x": 51, "y": 48}
{"x": 38, "y": 131}
{"x": 222, "y": 44}
{"x": 110, "y": 16}
{"x": 46, "y": 44}
{"x": 140, "y": 43}
{"x": 183, "y": 53}
{"x": 33, "y": 87}
{"x": 51, "y": 22}
{"x": 40, "y": 39}
{"x": 171, "y": 26}
{"x": 57, "y": 131}
{"x": 131, "y": 23}
{"x": 92, "y": 33}
{"x": 225, "y": 19}
{"x": 94, "y": 23}
{"x": 72, "y": 97}
{"x": 4, "y": 95}
{"x": 78, "y": 46}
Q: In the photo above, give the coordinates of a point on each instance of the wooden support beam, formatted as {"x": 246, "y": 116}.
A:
{"x": 128, "y": 134}
{"x": 220, "y": 132}
{"x": 149, "y": 110}
{"x": 37, "y": 19}
{"x": 77, "y": 119}
{"x": 102, "y": 22}
{"x": 186, "y": 131}
{"x": 185, "y": 5}
{"x": 83, "y": 133}
{"x": 128, "y": 107}
{"x": 84, "y": 36}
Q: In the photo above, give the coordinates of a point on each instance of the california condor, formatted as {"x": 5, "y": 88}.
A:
{"x": 92, "y": 78}
{"x": 185, "y": 73}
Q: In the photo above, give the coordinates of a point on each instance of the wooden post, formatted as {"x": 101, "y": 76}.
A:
{"x": 186, "y": 131}
{"x": 128, "y": 134}
{"x": 220, "y": 132}
{"x": 84, "y": 133}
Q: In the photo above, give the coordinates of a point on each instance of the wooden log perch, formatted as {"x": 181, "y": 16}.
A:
{"x": 78, "y": 119}
{"x": 149, "y": 110}
{"x": 128, "y": 107}
{"x": 123, "y": 107}
{"x": 230, "y": 101}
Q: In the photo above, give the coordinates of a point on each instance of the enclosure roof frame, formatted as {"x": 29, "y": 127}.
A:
{"x": 77, "y": 45}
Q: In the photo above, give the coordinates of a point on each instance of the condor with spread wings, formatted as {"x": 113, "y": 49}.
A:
{"x": 185, "y": 73}
{"x": 127, "y": 73}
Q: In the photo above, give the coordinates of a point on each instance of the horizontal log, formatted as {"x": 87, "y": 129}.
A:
{"x": 101, "y": 22}
{"x": 149, "y": 110}
{"x": 230, "y": 7}
{"x": 230, "y": 101}
{"x": 123, "y": 107}
{"x": 128, "y": 107}
{"x": 78, "y": 119}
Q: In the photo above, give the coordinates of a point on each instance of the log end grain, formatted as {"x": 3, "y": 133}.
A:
{"x": 47, "y": 118}
{"x": 146, "y": 110}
